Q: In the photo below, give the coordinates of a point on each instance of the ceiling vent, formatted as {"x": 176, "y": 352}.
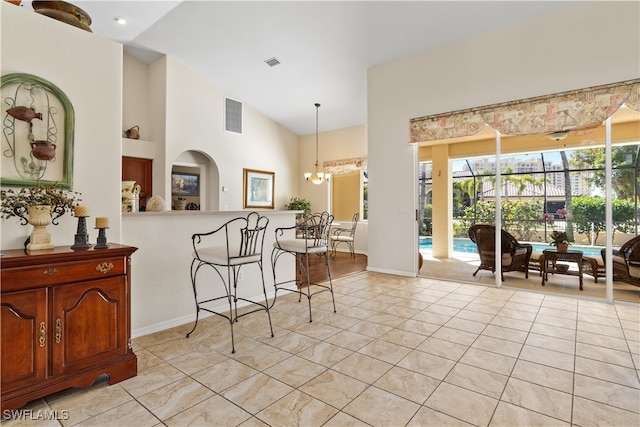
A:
{"x": 233, "y": 116}
{"x": 272, "y": 62}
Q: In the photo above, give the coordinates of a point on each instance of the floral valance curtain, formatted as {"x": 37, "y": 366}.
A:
{"x": 445, "y": 126}
{"x": 578, "y": 109}
{"x": 633, "y": 101}
{"x": 345, "y": 166}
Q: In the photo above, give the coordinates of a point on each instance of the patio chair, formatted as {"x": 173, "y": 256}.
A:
{"x": 515, "y": 255}
{"x": 626, "y": 262}
{"x": 593, "y": 266}
{"x": 345, "y": 235}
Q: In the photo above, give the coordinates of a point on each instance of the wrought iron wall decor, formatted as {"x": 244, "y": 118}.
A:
{"x": 37, "y": 132}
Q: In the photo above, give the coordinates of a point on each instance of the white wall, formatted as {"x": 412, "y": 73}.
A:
{"x": 136, "y": 89}
{"x": 594, "y": 43}
{"x": 195, "y": 121}
{"x": 88, "y": 69}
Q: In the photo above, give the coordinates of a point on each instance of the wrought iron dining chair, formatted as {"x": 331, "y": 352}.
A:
{"x": 345, "y": 235}
{"x": 226, "y": 250}
{"x": 311, "y": 240}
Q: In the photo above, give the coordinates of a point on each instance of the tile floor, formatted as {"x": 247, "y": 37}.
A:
{"x": 400, "y": 351}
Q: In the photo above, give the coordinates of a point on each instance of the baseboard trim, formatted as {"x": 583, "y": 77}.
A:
{"x": 393, "y": 272}
{"x": 179, "y": 321}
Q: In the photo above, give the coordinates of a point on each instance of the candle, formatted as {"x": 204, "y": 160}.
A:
{"x": 81, "y": 211}
{"x": 102, "y": 222}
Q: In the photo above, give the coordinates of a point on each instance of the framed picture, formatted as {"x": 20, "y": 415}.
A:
{"x": 37, "y": 132}
{"x": 185, "y": 184}
{"x": 258, "y": 189}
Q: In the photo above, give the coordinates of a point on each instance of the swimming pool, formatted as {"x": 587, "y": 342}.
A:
{"x": 466, "y": 245}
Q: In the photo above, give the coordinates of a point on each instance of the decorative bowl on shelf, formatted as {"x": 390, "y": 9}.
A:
{"x": 63, "y": 12}
{"x": 562, "y": 268}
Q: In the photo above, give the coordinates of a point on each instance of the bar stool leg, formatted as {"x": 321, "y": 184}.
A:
{"x": 326, "y": 261}
{"x": 194, "y": 271}
{"x": 308, "y": 286}
{"x": 266, "y": 300}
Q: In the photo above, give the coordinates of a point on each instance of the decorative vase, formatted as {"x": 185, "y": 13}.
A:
{"x": 130, "y": 196}
{"x": 39, "y": 217}
{"x": 133, "y": 133}
{"x": 563, "y": 247}
{"x": 181, "y": 204}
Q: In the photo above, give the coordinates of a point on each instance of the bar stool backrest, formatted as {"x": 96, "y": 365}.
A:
{"x": 240, "y": 238}
{"x": 315, "y": 229}
{"x": 252, "y": 236}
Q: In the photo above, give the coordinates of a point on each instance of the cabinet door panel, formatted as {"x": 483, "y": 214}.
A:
{"x": 90, "y": 323}
{"x": 24, "y": 338}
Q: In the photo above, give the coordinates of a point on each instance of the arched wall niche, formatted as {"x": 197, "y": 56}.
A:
{"x": 192, "y": 163}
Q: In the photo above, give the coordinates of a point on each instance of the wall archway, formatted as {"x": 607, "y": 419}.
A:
{"x": 193, "y": 162}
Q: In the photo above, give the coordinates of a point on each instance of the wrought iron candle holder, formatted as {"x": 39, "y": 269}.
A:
{"x": 81, "y": 238}
{"x": 102, "y": 239}
{"x": 102, "y": 223}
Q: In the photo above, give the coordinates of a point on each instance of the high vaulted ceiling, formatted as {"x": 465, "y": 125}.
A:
{"x": 324, "y": 47}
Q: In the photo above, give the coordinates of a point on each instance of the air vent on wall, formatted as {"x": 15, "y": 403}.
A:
{"x": 233, "y": 116}
{"x": 272, "y": 62}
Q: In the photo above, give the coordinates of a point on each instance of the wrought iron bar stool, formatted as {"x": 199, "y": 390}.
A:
{"x": 237, "y": 243}
{"x": 311, "y": 238}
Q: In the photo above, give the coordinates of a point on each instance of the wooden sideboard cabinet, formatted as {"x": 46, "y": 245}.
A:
{"x": 65, "y": 319}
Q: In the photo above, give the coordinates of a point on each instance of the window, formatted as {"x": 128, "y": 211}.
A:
{"x": 349, "y": 195}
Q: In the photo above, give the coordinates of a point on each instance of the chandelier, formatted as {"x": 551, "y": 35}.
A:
{"x": 318, "y": 177}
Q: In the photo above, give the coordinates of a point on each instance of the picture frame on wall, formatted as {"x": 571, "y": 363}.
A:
{"x": 258, "y": 189}
{"x": 185, "y": 184}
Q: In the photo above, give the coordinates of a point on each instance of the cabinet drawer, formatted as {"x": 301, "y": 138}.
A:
{"x": 58, "y": 273}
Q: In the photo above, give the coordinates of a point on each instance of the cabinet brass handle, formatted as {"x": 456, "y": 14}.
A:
{"x": 104, "y": 268}
{"x": 43, "y": 331}
{"x": 58, "y": 331}
{"x": 50, "y": 271}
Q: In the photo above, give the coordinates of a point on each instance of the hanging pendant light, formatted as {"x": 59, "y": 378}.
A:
{"x": 318, "y": 177}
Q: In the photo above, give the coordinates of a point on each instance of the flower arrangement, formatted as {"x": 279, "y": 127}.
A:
{"x": 15, "y": 203}
{"x": 558, "y": 237}
{"x": 549, "y": 219}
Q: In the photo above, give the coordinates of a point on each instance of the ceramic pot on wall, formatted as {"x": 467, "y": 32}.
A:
{"x": 43, "y": 150}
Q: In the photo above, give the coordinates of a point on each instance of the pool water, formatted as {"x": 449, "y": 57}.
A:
{"x": 466, "y": 245}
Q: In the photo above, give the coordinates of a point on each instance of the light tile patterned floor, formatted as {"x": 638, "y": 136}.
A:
{"x": 400, "y": 351}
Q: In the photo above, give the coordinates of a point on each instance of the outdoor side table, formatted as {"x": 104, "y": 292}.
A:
{"x": 552, "y": 256}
